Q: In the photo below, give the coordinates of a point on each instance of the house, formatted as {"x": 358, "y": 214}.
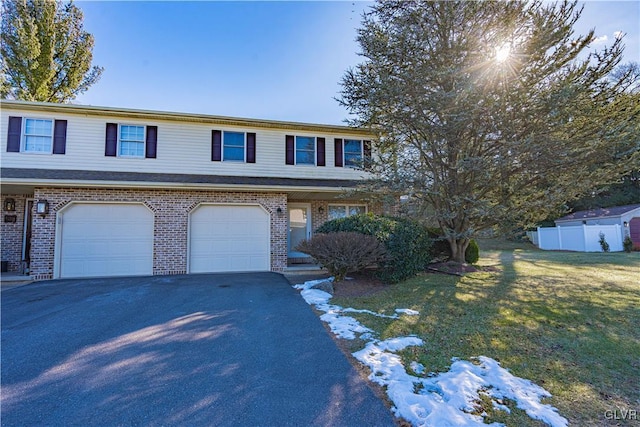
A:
{"x": 94, "y": 191}
{"x": 627, "y": 217}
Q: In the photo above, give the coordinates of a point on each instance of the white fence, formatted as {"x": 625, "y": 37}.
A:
{"x": 580, "y": 238}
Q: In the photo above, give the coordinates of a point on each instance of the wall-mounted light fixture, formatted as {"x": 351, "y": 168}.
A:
{"x": 9, "y": 204}
{"x": 321, "y": 209}
{"x": 626, "y": 224}
{"x": 42, "y": 207}
{"x": 279, "y": 210}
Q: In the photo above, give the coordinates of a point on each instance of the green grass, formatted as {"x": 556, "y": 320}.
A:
{"x": 569, "y": 322}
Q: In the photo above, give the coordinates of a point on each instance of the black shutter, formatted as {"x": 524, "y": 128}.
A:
{"x": 111, "y": 140}
{"x": 290, "y": 150}
{"x": 321, "y": 152}
{"x": 60, "y": 137}
{"x": 216, "y": 145}
{"x": 337, "y": 142}
{"x": 151, "y": 146}
{"x": 251, "y": 147}
{"x": 366, "y": 148}
{"x": 13, "y": 134}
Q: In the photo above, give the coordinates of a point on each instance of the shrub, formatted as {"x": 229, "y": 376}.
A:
{"x": 603, "y": 243}
{"x": 344, "y": 252}
{"x": 627, "y": 244}
{"x": 407, "y": 242}
{"x": 472, "y": 254}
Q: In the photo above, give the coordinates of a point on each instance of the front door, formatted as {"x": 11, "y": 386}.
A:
{"x": 26, "y": 237}
{"x": 299, "y": 230}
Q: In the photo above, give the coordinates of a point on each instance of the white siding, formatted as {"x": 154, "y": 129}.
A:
{"x": 182, "y": 148}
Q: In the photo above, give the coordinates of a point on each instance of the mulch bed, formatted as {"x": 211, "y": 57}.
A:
{"x": 358, "y": 285}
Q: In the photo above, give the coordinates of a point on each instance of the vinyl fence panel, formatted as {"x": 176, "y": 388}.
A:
{"x": 585, "y": 238}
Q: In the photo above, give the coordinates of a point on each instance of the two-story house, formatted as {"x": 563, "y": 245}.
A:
{"x": 94, "y": 191}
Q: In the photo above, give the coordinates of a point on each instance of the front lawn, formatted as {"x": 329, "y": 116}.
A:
{"x": 569, "y": 322}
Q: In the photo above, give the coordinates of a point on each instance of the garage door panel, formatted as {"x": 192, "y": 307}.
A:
{"x": 229, "y": 238}
{"x": 106, "y": 240}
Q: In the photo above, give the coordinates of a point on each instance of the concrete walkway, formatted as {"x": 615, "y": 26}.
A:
{"x": 196, "y": 350}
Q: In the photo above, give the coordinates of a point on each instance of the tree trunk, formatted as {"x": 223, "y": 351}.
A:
{"x": 458, "y": 248}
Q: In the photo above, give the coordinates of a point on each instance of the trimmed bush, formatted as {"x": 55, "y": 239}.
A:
{"x": 472, "y": 254}
{"x": 627, "y": 244}
{"x": 344, "y": 252}
{"x": 407, "y": 242}
{"x": 603, "y": 242}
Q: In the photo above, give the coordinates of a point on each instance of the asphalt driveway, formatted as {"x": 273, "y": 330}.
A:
{"x": 197, "y": 350}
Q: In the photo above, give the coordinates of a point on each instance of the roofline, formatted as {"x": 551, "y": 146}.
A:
{"x": 80, "y": 178}
{"x": 176, "y": 116}
{"x": 585, "y": 218}
{"x": 167, "y": 185}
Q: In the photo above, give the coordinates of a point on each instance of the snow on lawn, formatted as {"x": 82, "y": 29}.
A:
{"x": 447, "y": 399}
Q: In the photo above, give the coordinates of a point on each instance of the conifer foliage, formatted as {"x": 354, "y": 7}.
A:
{"x": 46, "y": 53}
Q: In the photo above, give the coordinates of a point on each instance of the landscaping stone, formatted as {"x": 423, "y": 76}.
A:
{"x": 325, "y": 285}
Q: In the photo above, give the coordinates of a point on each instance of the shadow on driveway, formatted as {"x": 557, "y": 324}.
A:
{"x": 198, "y": 350}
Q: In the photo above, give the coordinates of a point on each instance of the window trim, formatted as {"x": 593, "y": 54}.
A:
{"x": 344, "y": 153}
{"x": 347, "y": 205}
{"x": 23, "y": 135}
{"x": 295, "y": 150}
{"x": 244, "y": 147}
{"x": 144, "y": 141}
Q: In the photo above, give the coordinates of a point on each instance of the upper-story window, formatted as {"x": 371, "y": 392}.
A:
{"x": 131, "y": 141}
{"x": 125, "y": 140}
{"x": 352, "y": 153}
{"x": 29, "y": 135}
{"x": 233, "y": 146}
{"x": 304, "y": 150}
{"x": 38, "y": 136}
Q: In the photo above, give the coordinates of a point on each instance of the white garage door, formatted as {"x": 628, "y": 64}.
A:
{"x": 229, "y": 238}
{"x": 103, "y": 239}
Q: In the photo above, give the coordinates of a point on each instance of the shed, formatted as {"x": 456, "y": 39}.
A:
{"x": 628, "y": 217}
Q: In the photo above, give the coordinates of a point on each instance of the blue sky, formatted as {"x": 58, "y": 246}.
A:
{"x": 268, "y": 60}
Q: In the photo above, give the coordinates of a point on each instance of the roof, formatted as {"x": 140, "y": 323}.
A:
{"x": 599, "y": 213}
{"x": 175, "y": 116}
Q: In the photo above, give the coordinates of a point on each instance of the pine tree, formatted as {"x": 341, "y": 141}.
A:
{"x": 46, "y": 54}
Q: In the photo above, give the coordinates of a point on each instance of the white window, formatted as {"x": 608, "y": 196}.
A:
{"x": 131, "y": 141}
{"x": 305, "y": 150}
{"x": 352, "y": 153}
{"x": 342, "y": 211}
{"x": 233, "y": 143}
{"x": 38, "y": 136}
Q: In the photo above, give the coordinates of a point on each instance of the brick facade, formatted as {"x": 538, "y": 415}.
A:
{"x": 171, "y": 210}
{"x": 13, "y": 232}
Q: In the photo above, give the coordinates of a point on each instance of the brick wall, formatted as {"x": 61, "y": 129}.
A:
{"x": 13, "y": 232}
{"x": 171, "y": 209}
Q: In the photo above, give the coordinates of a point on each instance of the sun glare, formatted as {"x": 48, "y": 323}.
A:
{"x": 503, "y": 52}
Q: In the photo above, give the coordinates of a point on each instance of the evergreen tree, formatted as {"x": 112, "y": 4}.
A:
{"x": 490, "y": 113}
{"x": 46, "y": 54}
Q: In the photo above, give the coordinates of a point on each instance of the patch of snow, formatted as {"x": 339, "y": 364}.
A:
{"x": 416, "y": 367}
{"x": 407, "y": 311}
{"x": 309, "y": 284}
{"x": 315, "y": 296}
{"x": 344, "y": 326}
{"x": 373, "y": 313}
{"x": 446, "y": 399}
